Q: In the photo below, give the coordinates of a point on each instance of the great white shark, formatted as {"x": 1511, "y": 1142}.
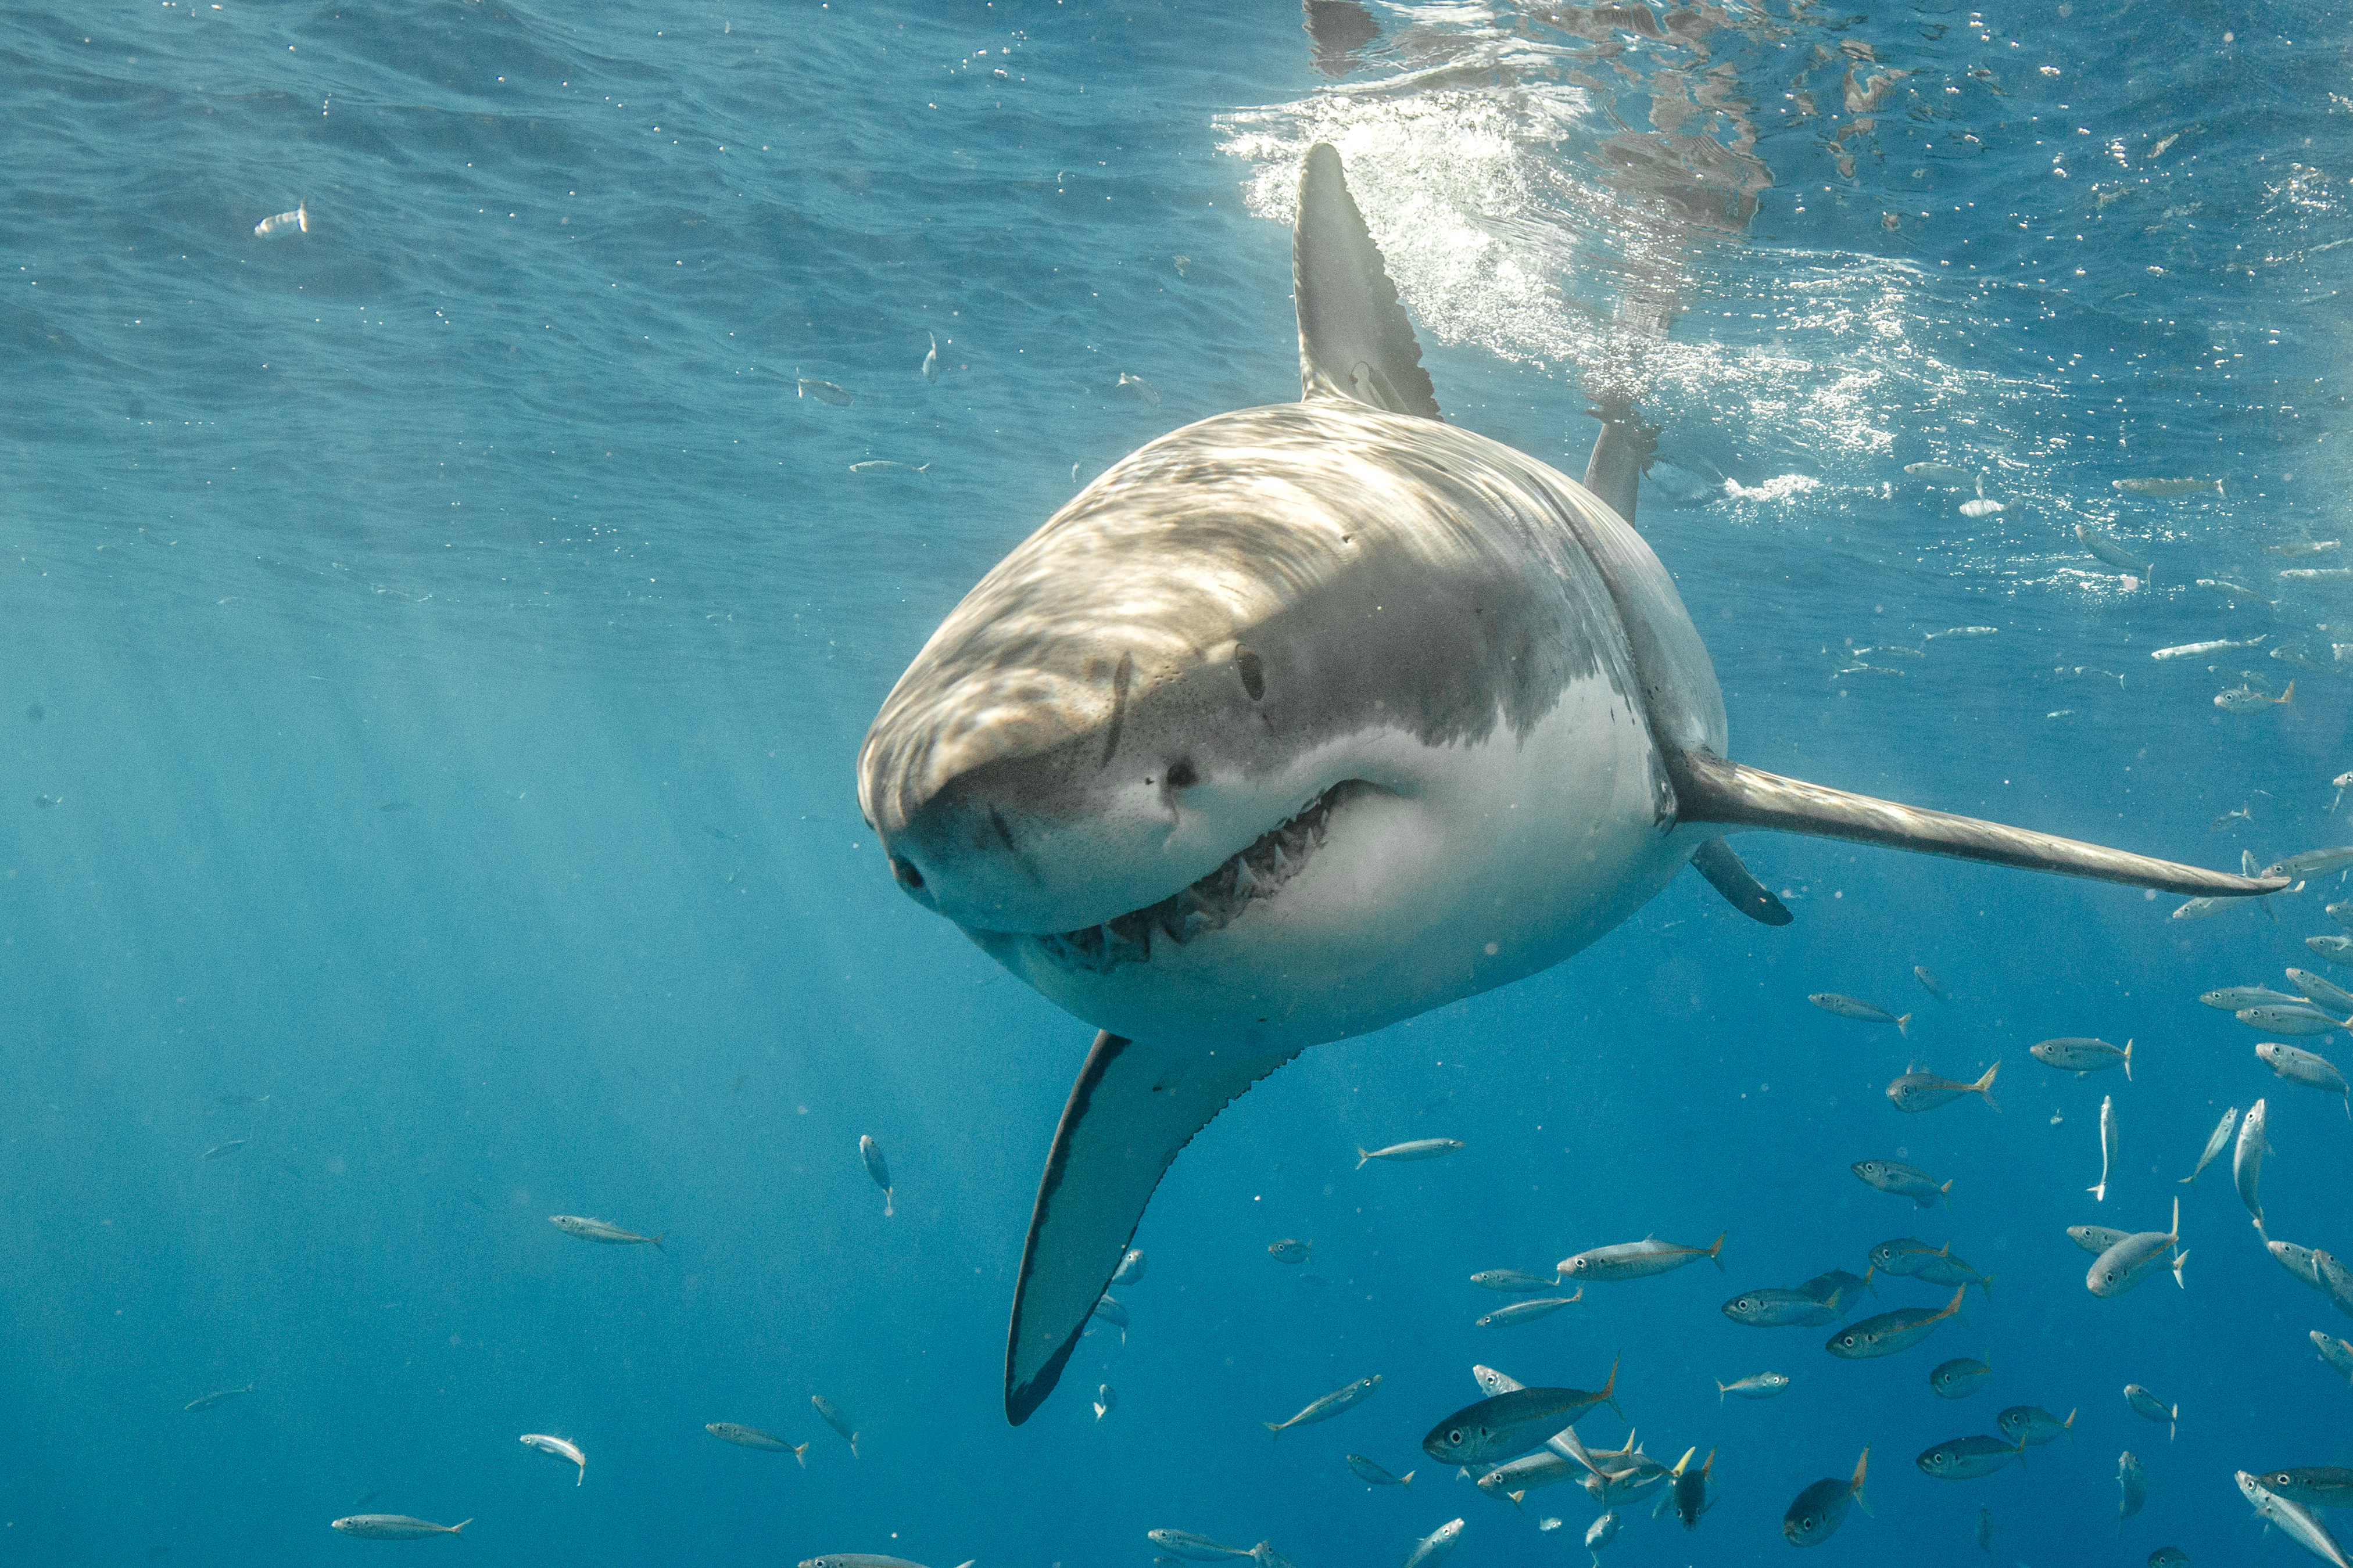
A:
{"x": 1307, "y": 719}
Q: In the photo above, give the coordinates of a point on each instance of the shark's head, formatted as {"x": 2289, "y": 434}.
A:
{"x": 1266, "y": 700}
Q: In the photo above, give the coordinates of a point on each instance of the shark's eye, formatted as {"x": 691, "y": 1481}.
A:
{"x": 1253, "y": 673}
{"x": 1181, "y": 774}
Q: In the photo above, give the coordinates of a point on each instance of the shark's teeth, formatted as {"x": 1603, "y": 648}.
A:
{"x": 1211, "y": 904}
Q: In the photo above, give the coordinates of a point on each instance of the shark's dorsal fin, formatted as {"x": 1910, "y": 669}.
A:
{"x": 1355, "y": 342}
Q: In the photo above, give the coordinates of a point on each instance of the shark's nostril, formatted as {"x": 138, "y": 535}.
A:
{"x": 905, "y": 870}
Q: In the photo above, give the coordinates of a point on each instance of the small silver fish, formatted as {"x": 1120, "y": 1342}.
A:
{"x": 2336, "y": 949}
{"x": 1414, "y": 1149}
{"x": 1140, "y": 387}
{"x": 393, "y": 1527}
{"x": 1929, "y": 981}
{"x": 2235, "y": 590}
{"x": 1917, "y": 1091}
{"x": 2320, "y": 574}
{"x": 2106, "y": 548}
{"x": 877, "y": 1167}
{"x": 752, "y": 1438}
{"x": 932, "y": 358}
{"x": 2162, "y": 488}
{"x": 1598, "y": 1534}
{"x": 2300, "y": 1019}
{"x": 1637, "y": 1259}
{"x": 2155, "y": 1409}
{"x": 1823, "y": 1506}
{"x": 2201, "y": 649}
{"x": 1345, "y": 1397}
{"x": 1849, "y": 1007}
{"x": 2108, "y": 1147}
{"x": 2294, "y": 1520}
{"x": 1373, "y": 1475}
{"x": 1106, "y": 1400}
{"x": 1904, "y": 1181}
{"x": 2247, "y": 1162}
{"x": 1511, "y": 1279}
{"x": 1891, "y": 1331}
{"x": 1980, "y": 505}
{"x": 2215, "y": 1143}
{"x": 602, "y": 1231}
{"x": 2080, "y": 1056}
{"x": 823, "y": 391}
{"x": 1432, "y": 1549}
{"x": 2307, "y": 1067}
{"x": 2133, "y": 1481}
{"x": 2312, "y": 863}
{"x": 2030, "y": 1425}
{"x": 1506, "y": 1425}
{"x": 1959, "y": 1377}
{"x": 1757, "y": 1385}
{"x": 884, "y": 466}
{"x": 1890, "y": 650}
{"x": 2232, "y": 998}
{"x": 2126, "y": 1265}
{"x": 1960, "y": 632}
{"x": 1288, "y": 1251}
{"x": 2296, "y": 1260}
{"x": 561, "y": 1450}
{"x": 283, "y": 226}
{"x": 1130, "y": 1267}
{"x": 2246, "y": 698}
{"x": 1965, "y": 1458}
{"x": 1528, "y": 1311}
{"x": 1192, "y": 1548}
{"x": 2294, "y": 551}
{"x": 218, "y": 1150}
{"x": 221, "y": 1396}
{"x": 833, "y": 1417}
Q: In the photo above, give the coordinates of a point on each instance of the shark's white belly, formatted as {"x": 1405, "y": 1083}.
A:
{"x": 1477, "y": 863}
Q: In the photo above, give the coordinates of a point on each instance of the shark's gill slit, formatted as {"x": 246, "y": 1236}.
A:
{"x": 1214, "y": 902}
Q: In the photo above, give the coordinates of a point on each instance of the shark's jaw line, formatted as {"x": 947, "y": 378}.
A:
{"x": 1212, "y": 903}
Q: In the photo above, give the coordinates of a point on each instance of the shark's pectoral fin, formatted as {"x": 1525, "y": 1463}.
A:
{"x": 1354, "y": 339}
{"x": 1709, "y": 789}
{"x": 1133, "y": 1106}
{"x": 1724, "y": 873}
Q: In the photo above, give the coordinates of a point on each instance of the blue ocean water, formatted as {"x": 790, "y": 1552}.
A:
{"x": 436, "y": 643}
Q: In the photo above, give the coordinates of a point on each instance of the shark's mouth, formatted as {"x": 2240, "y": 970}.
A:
{"x": 1214, "y": 902}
